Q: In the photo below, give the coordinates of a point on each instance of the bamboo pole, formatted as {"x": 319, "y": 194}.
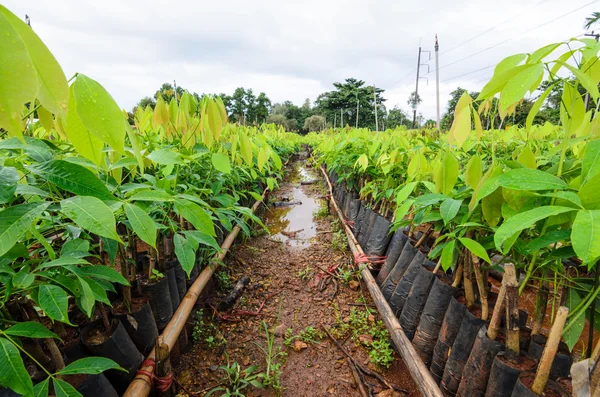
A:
{"x": 543, "y": 372}
{"x": 418, "y": 370}
{"x": 512, "y": 309}
{"x": 142, "y": 384}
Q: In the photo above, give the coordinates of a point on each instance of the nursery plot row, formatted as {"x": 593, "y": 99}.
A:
{"x": 105, "y": 225}
{"x": 465, "y": 229}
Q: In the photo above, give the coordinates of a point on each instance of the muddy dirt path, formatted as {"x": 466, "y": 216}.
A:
{"x": 295, "y": 296}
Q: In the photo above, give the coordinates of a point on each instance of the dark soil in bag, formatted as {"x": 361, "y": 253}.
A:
{"x": 355, "y": 205}
{"x": 365, "y": 234}
{"x": 459, "y": 354}
{"x": 379, "y": 238}
{"x": 180, "y": 278}
{"x": 97, "y": 385}
{"x": 358, "y": 222}
{"x": 117, "y": 346}
{"x": 362, "y": 235}
{"x": 505, "y": 371}
{"x": 415, "y": 302}
{"x": 448, "y": 332}
{"x": 400, "y": 294}
{"x": 432, "y": 317}
{"x": 525, "y": 381}
{"x": 159, "y": 296}
{"x": 173, "y": 292}
{"x": 393, "y": 253}
{"x": 561, "y": 366}
{"x": 404, "y": 260}
{"x": 139, "y": 324}
{"x": 477, "y": 369}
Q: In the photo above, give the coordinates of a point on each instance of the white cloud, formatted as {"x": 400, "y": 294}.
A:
{"x": 293, "y": 50}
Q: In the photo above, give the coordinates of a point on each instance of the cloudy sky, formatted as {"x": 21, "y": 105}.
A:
{"x": 295, "y": 49}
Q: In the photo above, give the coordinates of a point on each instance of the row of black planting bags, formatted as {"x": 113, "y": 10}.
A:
{"x": 450, "y": 339}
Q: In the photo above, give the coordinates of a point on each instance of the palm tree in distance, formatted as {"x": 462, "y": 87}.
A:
{"x": 592, "y": 20}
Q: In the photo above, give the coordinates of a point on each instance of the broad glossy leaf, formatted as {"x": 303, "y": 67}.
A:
{"x": 585, "y": 235}
{"x": 461, "y": 126}
{"x": 151, "y": 195}
{"x": 73, "y": 178}
{"x": 449, "y": 208}
{"x": 165, "y": 157}
{"x": 54, "y": 302}
{"x": 547, "y": 239}
{"x": 588, "y": 193}
{"x": 499, "y": 80}
{"x": 586, "y": 81}
{"x": 474, "y": 171}
{"x": 536, "y": 107}
{"x": 64, "y": 389}
{"x": 23, "y": 278}
{"x": 12, "y": 371}
{"x": 591, "y": 160}
{"x": 15, "y": 221}
{"x": 530, "y": 179}
{"x": 202, "y": 238}
{"x": 519, "y": 84}
{"x": 448, "y": 255}
{"x": 85, "y": 142}
{"x": 527, "y": 158}
{"x": 18, "y": 77}
{"x": 363, "y": 162}
{"x": 445, "y": 174}
{"x": 261, "y": 159}
{"x": 246, "y": 148}
{"x": 41, "y": 389}
{"x": 86, "y": 300}
{"x": 214, "y": 119}
{"x": 91, "y": 214}
{"x": 30, "y": 329}
{"x": 475, "y": 248}
{"x": 104, "y": 273}
{"x": 90, "y": 365}
{"x": 9, "y": 177}
{"x": 491, "y": 206}
{"x": 99, "y": 112}
{"x": 196, "y": 215}
{"x": 405, "y": 192}
{"x": 141, "y": 223}
{"x": 524, "y": 220}
{"x": 573, "y": 332}
{"x": 221, "y": 163}
{"x": 185, "y": 253}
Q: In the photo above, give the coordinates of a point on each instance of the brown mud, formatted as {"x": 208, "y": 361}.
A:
{"x": 292, "y": 288}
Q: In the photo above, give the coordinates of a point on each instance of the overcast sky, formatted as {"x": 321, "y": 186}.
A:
{"x": 294, "y": 49}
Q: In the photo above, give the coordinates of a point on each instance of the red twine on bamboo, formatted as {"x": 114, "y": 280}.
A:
{"x": 364, "y": 258}
{"x": 163, "y": 384}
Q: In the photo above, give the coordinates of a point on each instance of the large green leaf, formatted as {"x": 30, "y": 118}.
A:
{"x": 151, "y": 195}
{"x": 185, "y": 253}
{"x": 585, "y": 235}
{"x": 87, "y": 144}
{"x": 475, "y": 248}
{"x": 141, "y": 223}
{"x": 30, "y": 329}
{"x": 573, "y": 332}
{"x": 246, "y": 148}
{"x": 448, "y": 255}
{"x": 165, "y": 157}
{"x": 491, "y": 206}
{"x": 104, "y": 273}
{"x": 474, "y": 172}
{"x": 73, "y": 178}
{"x": 449, "y": 208}
{"x": 41, "y": 389}
{"x": 201, "y": 238}
{"x": 91, "y": 214}
{"x": 445, "y": 174}
{"x": 54, "y": 302}
{"x": 15, "y": 221}
{"x": 99, "y": 112}
{"x": 9, "y": 177}
{"x": 87, "y": 298}
{"x": 591, "y": 160}
{"x": 588, "y": 193}
{"x": 524, "y": 220}
{"x": 64, "y": 389}
{"x": 90, "y": 365}
{"x": 195, "y": 215}
{"x": 18, "y": 77}
{"x": 12, "y": 371}
{"x": 221, "y": 163}
{"x": 519, "y": 84}
{"x": 530, "y": 179}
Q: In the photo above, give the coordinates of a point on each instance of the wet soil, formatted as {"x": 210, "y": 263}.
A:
{"x": 291, "y": 288}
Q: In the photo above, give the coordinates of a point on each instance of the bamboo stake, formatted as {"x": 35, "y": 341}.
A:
{"x": 541, "y": 302}
{"x": 468, "y": 281}
{"x": 543, "y": 372}
{"x": 458, "y": 275}
{"x": 141, "y": 384}
{"x": 485, "y": 311}
{"x": 494, "y": 325}
{"x": 512, "y": 309}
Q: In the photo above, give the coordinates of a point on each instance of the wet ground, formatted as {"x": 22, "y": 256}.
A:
{"x": 302, "y": 279}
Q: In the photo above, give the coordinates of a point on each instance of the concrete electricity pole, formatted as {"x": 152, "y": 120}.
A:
{"x": 437, "y": 81}
{"x": 375, "y": 106}
{"x": 357, "y": 108}
{"x": 416, "y": 103}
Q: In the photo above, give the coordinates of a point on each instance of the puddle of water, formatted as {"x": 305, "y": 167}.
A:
{"x": 294, "y": 224}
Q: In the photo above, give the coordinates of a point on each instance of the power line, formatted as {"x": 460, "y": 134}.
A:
{"x": 491, "y": 29}
{"x": 466, "y": 74}
{"x": 519, "y": 35}
{"x": 403, "y": 78}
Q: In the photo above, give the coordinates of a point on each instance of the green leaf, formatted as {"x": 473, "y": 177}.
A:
{"x": 363, "y": 162}
{"x": 403, "y": 209}
{"x": 202, "y": 238}
{"x": 573, "y": 332}
{"x": 519, "y": 84}
{"x": 590, "y": 166}
{"x": 461, "y": 126}
{"x": 99, "y": 112}
{"x": 141, "y": 223}
{"x": 91, "y": 214}
{"x": 15, "y": 221}
{"x": 588, "y": 193}
{"x": 23, "y": 279}
{"x": 475, "y": 248}
{"x": 105, "y": 273}
{"x": 151, "y": 195}
{"x": 530, "y": 179}
{"x": 86, "y": 143}
{"x": 524, "y": 220}
{"x": 75, "y": 245}
{"x": 9, "y": 177}
{"x": 536, "y": 107}
{"x": 87, "y": 300}
{"x": 246, "y": 148}
{"x": 90, "y": 365}
{"x": 41, "y": 389}
{"x": 499, "y": 80}
{"x": 547, "y": 239}
{"x": 446, "y": 174}
{"x": 449, "y": 208}
{"x": 165, "y": 157}
{"x": 491, "y": 206}
{"x": 448, "y": 255}
{"x": 18, "y": 77}
{"x": 12, "y": 371}
{"x": 30, "y": 329}
{"x": 64, "y": 389}
{"x": 585, "y": 235}
{"x": 261, "y": 159}
{"x": 185, "y": 253}
{"x": 60, "y": 262}
{"x": 527, "y": 158}
{"x": 25, "y": 190}
{"x": 196, "y": 215}
{"x": 73, "y": 178}
{"x": 586, "y": 81}
{"x": 405, "y": 192}
{"x": 54, "y": 302}
{"x": 474, "y": 172}
{"x": 221, "y": 163}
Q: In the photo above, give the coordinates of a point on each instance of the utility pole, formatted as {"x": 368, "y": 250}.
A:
{"x": 342, "y": 118}
{"x": 416, "y": 103}
{"x": 27, "y": 20}
{"x": 375, "y": 106}
{"x": 334, "y": 120}
{"x": 357, "y": 107}
{"x": 175, "y": 91}
{"x": 437, "y": 81}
